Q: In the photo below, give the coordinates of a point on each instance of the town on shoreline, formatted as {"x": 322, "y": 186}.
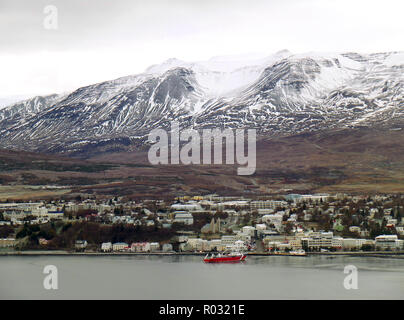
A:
{"x": 29, "y": 253}
{"x": 368, "y": 225}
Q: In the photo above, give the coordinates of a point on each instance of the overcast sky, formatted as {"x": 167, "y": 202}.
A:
{"x": 98, "y": 40}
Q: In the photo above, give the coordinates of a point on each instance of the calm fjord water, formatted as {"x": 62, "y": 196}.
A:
{"x": 187, "y": 277}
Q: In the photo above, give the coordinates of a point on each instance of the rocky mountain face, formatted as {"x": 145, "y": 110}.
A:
{"x": 282, "y": 94}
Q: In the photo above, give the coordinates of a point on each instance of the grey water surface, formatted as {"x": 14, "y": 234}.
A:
{"x": 187, "y": 277}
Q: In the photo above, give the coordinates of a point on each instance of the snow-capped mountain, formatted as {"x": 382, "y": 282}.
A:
{"x": 278, "y": 94}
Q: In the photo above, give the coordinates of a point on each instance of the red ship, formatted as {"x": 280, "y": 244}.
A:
{"x": 224, "y": 257}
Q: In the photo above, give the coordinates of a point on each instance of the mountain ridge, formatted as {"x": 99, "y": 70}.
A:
{"x": 278, "y": 95}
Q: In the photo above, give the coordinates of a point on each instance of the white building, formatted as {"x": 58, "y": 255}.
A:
{"x": 228, "y": 241}
{"x": 388, "y": 242}
{"x": 243, "y": 236}
{"x": 234, "y": 204}
{"x": 154, "y": 246}
{"x": 317, "y": 240}
{"x": 311, "y": 197}
{"x": 350, "y": 243}
{"x": 216, "y": 244}
{"x": 192, "y": 206}
{"x": 167, "y": 247}
{"x": 198, "y": 244}
{"x": 295, "y": 243}
{"x": 400, "y": 230}
{"x": 203, "y": 245}
{"x": 267, "y": 204}
{"x": 239, "y": 245}
{"x": 354, "y": 229}
{"x": 192, "y": 242}
{"x": 185, "y": 218}
{"x": 265, "y": 211}
{"x": 336, "y": 242}
{"x": 140, "y": 247}
{"x": 249, "y": 230}
{"x": 120, "y": 246}
{"x": 7, "y": 242}
{"x": 106, "y": 247}
{"x": 275, "y": 219}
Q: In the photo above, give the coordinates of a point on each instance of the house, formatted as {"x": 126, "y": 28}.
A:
{"x": 193, "y": 243}
{"x": 106, "y": 247}
{"x": 275, "y": 219}
{"x": 197, "y": 244}
{"x": 80, "y": 245}
{"x": 154, "y": 246}
{"x": 248, "y": 230}
{"x": 162, "y": 215}
{"x": 354, "y": 229}
{"x": 7, "y": 243}
{"x": 149, "y": 223}
{"x": 265, "y": 211}
{"x": 55, "y": 214}
{"x": 392, "y": 222}
{"x": 184, "y": 247}
{"x": 167, "y": 247}
{"x": 364, "y": 233}
{"x": 243, "y": 236}
{"x": 120, "y": 246}
{"x": 140, "y": 247}
{"x": 42, "y": 241}
{"x": 147, "y": 212}
{"x": 400, "y": 231}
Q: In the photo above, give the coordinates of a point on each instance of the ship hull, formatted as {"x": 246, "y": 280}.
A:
{"x": 225, "y": 259}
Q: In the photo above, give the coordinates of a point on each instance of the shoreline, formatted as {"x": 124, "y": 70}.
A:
{"x": 378, "y": 254}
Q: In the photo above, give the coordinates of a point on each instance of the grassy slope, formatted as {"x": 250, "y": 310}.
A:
{"x": 359, "y": 161}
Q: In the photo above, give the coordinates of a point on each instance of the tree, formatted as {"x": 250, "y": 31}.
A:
{"x": 28, "y": 218}
{"x": 288, "y": 228}
{"x": 23, "y": 233}
{"x": 367, "y": 247}
{"x": 118, "y": 211}
{"x": 5, "y": 231}
{"x": 399, "y": 215}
